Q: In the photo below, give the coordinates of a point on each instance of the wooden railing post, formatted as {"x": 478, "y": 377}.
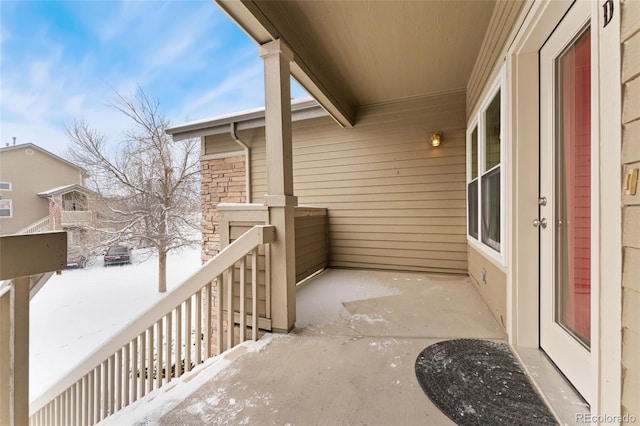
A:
{"x": 46, "y": 252}
{"x": 5, "y": 356}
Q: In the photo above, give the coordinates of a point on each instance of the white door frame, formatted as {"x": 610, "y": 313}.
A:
{"x": 522, "y": 183}
{"x": 573, "y": 359}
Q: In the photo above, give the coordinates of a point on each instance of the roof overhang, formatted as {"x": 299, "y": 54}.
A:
{"x": 64, "y": 190}
{"x": 250, "y": 119}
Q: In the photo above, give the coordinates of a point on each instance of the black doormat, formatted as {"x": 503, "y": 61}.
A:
{"x": 478, "y": 382}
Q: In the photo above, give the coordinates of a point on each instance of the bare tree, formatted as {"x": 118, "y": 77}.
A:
{"x": 149, "y": 184}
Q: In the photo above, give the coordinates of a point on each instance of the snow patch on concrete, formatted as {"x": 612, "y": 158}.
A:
{"x": 368, "y": 319}
{"x": 320, "y": 300}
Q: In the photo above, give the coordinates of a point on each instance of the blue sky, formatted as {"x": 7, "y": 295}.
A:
{"x": 61, "y": 60}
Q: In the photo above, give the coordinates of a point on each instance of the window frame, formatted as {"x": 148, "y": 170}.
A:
{"x": 6, "y": 189}
{"x": 10, "y": 201}
{"x": 478, "y": 122}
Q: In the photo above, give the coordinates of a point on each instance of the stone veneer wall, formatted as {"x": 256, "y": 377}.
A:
{"x": 223, "y": 180}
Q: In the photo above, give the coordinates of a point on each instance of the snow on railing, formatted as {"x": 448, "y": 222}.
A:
{"x": 41, "y": 225}
{"x": 166, "y": 341}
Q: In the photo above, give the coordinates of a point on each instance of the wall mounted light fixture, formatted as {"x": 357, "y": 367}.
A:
{"x": 436, "y": 138}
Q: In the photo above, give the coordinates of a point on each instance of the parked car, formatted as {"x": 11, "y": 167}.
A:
{"x": 117, "y": 255}
{"x": 76, "y": 258}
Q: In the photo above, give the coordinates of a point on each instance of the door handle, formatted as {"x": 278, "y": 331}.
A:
{"x": 542, "y": 223}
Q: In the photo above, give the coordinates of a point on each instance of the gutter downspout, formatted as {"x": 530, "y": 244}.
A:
{"x": 247, "y": 159}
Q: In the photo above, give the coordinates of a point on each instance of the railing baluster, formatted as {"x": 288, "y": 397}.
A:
{"x": 254, "y": 294}
{"x": 169, "y": 340}
{"x": 243, "y": 300}
{"x": 134, "y": 370}
{"x": 102, "y": 388}
{"x": 91, "y": 402}
{"x": 75, "y": 403}
{"x": 207, "y": 323}
{"x": 126, "y": 377}
{"x": 178, "y": 347}
{"x": 142, "y": 372}
{"x": 230, "y": 320}
{"x": 84, "y": 401}
{"x": 78, "y": 402}
{"x": 72, "y": 404}
{"x": 219, "y": 319}
{"x": 150, "y": 359}
{"x": 111, "y": 385}
{"x": 198, "y": 324}
{"x": 58, "y": 410}
{"x": 117, "y": 380}
{"x": 159, "y": 342}
{"x": 187, "y": 334}
{"x": 67, "y": 407}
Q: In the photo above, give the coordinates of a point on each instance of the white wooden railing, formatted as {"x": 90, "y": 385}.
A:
{"x": 163, "y": 343}
{"x": 42, "y": 225}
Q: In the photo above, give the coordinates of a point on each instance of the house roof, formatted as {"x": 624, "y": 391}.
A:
{"x": 301, "y": 109}
{"x": 64, "y": 190}
{"x": 42, "y": 150}
{"x": 353, "y": 54}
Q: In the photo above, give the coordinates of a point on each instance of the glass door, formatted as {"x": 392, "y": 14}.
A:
{"x": 565, "y": 197}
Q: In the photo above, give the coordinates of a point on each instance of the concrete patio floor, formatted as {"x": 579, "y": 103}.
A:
{"x": 350, "y": 359}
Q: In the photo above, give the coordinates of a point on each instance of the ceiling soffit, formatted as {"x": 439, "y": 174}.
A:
{"x": 356, "y": 53}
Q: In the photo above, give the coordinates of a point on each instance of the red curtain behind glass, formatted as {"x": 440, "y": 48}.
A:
{"x": 576, "y": 116}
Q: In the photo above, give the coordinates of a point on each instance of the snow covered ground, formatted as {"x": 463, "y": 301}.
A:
{"x": 76, "y": 312}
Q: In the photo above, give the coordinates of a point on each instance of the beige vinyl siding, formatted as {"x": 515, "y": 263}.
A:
{"x": 312, "y": 241}
{"x": 505, "y": 16}
{"x": 29, "y": 174}
{"x": 393, "y": 201}
{"x": 630, "y": 36}
{"x": 493, "y": 288}
{"x": 220, "y": 146}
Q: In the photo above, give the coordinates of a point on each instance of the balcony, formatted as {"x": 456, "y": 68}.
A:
{"x": 349, "y": 359}
{"x": 75, "y": 218}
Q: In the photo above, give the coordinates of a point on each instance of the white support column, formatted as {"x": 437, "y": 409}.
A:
{"x": 277, "y": 59}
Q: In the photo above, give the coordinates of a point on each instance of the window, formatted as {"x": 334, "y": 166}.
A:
{"x": 6, "y": 208}
{"x": 485, "y": 192}
{"x": 5, "y": 186}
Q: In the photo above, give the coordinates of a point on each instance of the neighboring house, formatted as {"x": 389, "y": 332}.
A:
{"x": 74, "y": 208}
{"x": 532, "y": 190}
{"x": 25, "y": 171}
{"x": 46, "y": 193}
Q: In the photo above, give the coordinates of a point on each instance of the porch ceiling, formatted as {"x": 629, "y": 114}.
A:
{"x": 354, "y": 53}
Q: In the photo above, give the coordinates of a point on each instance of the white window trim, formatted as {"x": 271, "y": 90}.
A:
{"x": 10, "y": 209}
{"x": 8, "y": 189}
{"x": 498, "y": 85}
